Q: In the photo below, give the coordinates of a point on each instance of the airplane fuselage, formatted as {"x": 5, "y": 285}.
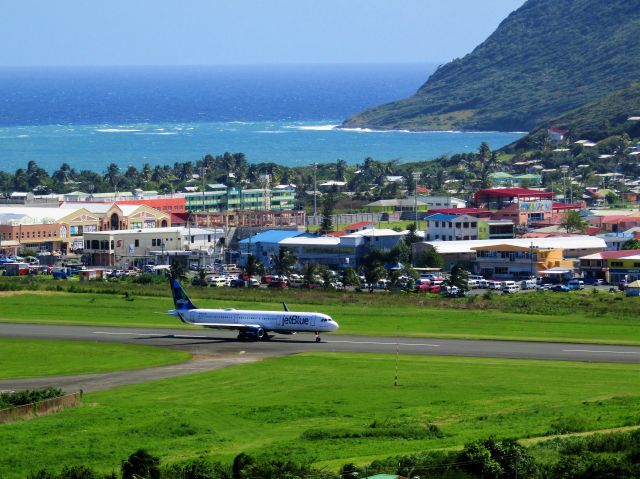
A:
{"x": 276, "y": 321}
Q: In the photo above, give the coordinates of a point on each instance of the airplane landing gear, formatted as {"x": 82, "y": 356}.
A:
{"x": 318, "y": 339}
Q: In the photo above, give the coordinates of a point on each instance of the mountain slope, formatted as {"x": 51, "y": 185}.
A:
{"x": 594, "y": 121}
{"x": 546, "y": 58}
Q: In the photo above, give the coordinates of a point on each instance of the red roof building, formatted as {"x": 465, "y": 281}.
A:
{"x": 523, "y": 206}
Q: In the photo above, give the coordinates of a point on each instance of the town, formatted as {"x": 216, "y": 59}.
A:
{"x": 512, "y": 225}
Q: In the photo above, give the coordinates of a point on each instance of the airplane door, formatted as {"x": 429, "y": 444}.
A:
{"x": 312, "y": 321}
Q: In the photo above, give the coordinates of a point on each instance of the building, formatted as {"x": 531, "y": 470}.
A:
{"x": 219, "y": 197}
{"x": 441, "y": 202}
{"x": 234, "y": 219}
{"x": 556, "y": 134}
{"x": 451, "y": 227}
{"x": 138, "y": 247}
{"x": 264, "y": 245}
{"x": 611, "y": 266}
{"x": 454, "y": 251}
{"x": 445, "y": 227}
{"x": 50, "y": 229}
{"x": 520, "y": 205}
{"x": 507, "y": 261}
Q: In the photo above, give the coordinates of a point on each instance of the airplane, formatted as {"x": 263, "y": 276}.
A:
{"x": 250, "y": 324}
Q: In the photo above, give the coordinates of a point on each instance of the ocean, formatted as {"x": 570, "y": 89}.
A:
{"x": 90, "y": 117}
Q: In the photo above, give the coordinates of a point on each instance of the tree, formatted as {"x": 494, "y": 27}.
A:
{"x": 572, "y": 222}
{"x": 350, "y": 277}
{"x": 141, "y": 464}
{"x": 326, "y": 225}
{"x": 411, "y": 236}
{"x": 283, "y": 262}
{"x": 400, "y": 253}
{"x": 430, "y": 258}
{"x": 177, "y": 270}
{"x": 240, "y": 463}
{"x": 372, "y": 265}
{"x": 308, "y": 272}
{"x": 631, "y": 244}
{"x": 459, "y": 277}
{"x": 252, "y": 265}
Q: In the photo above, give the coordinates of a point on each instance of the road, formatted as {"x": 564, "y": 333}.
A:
{"x": 216, "y": 349}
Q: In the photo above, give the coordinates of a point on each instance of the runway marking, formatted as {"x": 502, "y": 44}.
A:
{"x": 595, "y": 351}
{"x": 150, "y": 334}
{"x": 386, "y": 343}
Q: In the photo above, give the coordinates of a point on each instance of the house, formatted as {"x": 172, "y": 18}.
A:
{"x": 611, "y": 266}
{"x": 361, "y": 226}
{"x": 556, "y": 134}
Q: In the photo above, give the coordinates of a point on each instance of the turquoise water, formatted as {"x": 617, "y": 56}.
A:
{"x": 90, "y": 117}
{"x": 291, "y": 143}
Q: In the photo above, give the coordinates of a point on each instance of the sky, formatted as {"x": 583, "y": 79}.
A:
{"x": 204, "y": 32}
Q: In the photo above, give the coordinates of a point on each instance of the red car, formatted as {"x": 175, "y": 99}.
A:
{"x": 435, "y": 289}
{"x": 277, "y": 284}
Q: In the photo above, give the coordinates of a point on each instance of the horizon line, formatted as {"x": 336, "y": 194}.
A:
{"x": 161, "y": 65}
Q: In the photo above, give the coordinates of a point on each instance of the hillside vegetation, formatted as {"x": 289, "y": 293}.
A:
{"x": 545, "y": 59}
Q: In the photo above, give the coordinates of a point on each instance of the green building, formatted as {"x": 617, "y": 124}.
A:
{"x": 218, "y": 198}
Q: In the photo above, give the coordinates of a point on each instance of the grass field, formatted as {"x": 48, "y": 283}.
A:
{"x": 329, "y": 408}
{"x": 26, "y": 358}
{"x": 357, "y": 314}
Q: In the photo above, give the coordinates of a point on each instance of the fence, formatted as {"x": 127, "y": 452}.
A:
{"x": 42, "y": 408}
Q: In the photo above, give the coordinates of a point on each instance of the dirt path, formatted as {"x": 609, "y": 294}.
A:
{"x": 101, "y": 381}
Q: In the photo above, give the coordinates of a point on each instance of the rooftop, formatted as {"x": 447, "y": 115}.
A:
{"x": 630, "y": 253}
{"x": 271, "y": 236}
{"x": 555, "y": 242}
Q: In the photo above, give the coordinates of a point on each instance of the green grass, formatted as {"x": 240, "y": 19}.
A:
{"x": 26, "y": 358}
{"x": 363, "y": 314}
{"x": 277, "y": 406}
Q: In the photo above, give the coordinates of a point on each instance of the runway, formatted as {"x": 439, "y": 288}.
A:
{"x": 214, "y": 349}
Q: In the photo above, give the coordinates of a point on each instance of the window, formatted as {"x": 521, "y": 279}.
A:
{"x": 465, "y": 224}
{"x": 136, "y": 243}
{"x": 616, "y": 264}
{"x": 474, "y": 224}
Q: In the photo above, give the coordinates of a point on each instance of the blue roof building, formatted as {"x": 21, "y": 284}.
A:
{"x": 265, "y": 244}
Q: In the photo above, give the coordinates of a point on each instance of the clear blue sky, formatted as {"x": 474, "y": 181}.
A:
{"x": 173, "y": 32}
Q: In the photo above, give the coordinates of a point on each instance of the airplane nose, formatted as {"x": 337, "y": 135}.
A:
{"x": 334, "y": 326}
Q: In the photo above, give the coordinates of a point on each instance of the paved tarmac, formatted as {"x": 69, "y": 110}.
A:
{"x": 213, "y": 349}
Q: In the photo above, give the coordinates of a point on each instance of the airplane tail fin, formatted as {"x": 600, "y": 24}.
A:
{"x": 180, "y": 298}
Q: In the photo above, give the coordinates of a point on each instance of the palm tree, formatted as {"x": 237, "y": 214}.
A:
{"x": 341, "y": 170}
{"x": 113, "y": 175}
{"x": 284, "y": 261}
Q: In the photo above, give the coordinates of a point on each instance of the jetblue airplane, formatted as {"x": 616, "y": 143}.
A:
{"x": 252, "y": 325}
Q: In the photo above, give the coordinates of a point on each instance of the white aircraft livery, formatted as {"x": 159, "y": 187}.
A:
{"x": 250, "y": 324}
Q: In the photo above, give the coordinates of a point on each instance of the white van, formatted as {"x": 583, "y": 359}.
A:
{"x": 510, "y": 287}
{"x": 473, "y": 283}
{"x": 528, "y": 284}
{"x": 216, "y": 281}
{"x": 575, "y": 284}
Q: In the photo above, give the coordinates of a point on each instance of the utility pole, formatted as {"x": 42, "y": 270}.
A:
{"x": 315, "y": 204}
{"x": 203, "y": 172}
{"x": 416, "y": 176}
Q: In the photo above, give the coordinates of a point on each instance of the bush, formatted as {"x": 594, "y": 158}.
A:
{"x": 21, "y": 398}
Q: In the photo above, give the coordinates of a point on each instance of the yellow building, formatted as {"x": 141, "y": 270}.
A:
{"x": 518, "y": 262}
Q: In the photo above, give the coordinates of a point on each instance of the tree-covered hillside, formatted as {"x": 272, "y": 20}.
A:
{"x": 546, "y": 58}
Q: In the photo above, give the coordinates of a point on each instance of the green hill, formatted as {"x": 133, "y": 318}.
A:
{"x": 595, "y": 121}
{"x": 546, "y": 58}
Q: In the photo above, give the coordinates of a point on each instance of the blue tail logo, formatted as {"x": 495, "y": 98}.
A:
{"x": 180, "y": 298}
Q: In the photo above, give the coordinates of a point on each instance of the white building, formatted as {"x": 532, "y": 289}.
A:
{"x": 141, "y": 246}
{"x": 442, "y": 202}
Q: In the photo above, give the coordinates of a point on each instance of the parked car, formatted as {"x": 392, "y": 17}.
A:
{"x": 560, "y": 288}
{"x": 277, "y": 283}
{"x": 599, "y": 282}
{"x": 622, "y": 285}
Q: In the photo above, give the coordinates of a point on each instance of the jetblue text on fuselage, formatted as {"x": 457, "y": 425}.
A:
{"x": 294, "y": 319}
